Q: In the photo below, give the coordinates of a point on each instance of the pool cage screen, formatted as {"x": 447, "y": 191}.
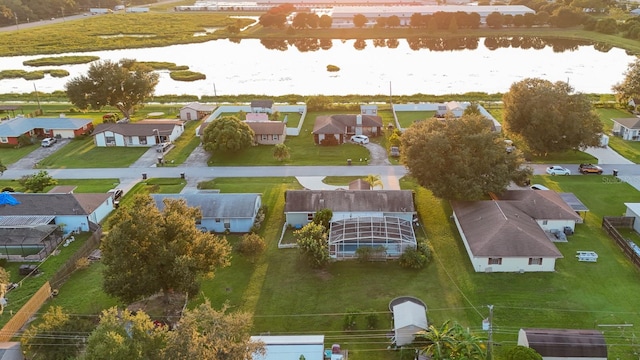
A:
{"x": 393, "y": 234}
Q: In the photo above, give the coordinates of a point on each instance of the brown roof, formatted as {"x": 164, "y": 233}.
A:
{"x": 629, "y": 123}
{"x": 349, "y": 200}
{"x": 337, "y": 124}
{"x": 565, "y": 343}
{"x": 359, "y": 184}
{"x": 160, "y": 121}
{"x": 266, "y": 127}
{"x": 136, "y": 129}
{"x": 500, "y": 229}
{"x": 54, "y": 204}
{"x": 541, "y": 204}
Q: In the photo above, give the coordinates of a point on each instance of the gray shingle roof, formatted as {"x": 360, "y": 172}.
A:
{"x": 501, "y": 229}
{"x": 349, "y": 200}
{"x": 266, "y": 127}
{"x": 567, "y": 343}
{"x": 541, "y": 205}
{"x": 54, "y": 204}
{"x": 199, "y": 106}
{"x": 18, "y": 126}
{"x": 262, "y": 104}
{"x": 337, "y": 124}
{"x": 215, "y": 205}
{"x": 629, "y": 123}
{"x": 136, "y": 129}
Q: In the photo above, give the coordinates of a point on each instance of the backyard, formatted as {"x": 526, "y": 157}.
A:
{"x": 286, "y": 296}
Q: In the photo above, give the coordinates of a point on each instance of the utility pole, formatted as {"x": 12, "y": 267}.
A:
{"x": 37, "y": 98}
{"x": 490, "y": 342}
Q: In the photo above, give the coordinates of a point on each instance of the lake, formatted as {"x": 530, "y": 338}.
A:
{"x": 368, "y": 67}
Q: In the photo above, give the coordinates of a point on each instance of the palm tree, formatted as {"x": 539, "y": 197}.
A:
{"x": 451, "y": 343}
{"x": 374, "y": 180}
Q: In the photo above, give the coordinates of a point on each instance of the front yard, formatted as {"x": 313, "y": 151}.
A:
{"x": 83, "y": 153}
{"x": 628, "y": 149}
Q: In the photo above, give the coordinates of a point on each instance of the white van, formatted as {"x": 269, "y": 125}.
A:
{"x": 46, "y": 142}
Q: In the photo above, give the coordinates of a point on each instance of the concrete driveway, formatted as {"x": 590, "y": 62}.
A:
{"x": 607, "y": 155}
{"x": 377, "y": 154}
{"x": 31, "y": 160}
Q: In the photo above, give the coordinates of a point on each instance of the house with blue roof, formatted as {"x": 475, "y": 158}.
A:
{"x": 60, "y": 127}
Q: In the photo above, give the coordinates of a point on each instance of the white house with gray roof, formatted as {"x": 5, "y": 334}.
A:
{"x": 235, "y": 213}
{"x": 61, "y": 127}
{"x": 196, "y": 111}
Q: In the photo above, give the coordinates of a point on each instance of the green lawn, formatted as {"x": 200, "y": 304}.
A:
{"x": 406, "y": 118}
{"x": 184, "y": 145}
{"x": 302, "y": 148}
{"x": 82, "y": 185}
{"x": 628, "y": 149}
{"x": 10, "y": 155}
{"x": 340, "y": 180}
{"x": 82, "y": 153}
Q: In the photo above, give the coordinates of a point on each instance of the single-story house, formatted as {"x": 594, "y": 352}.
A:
{"x": 143, "y": 133}
{"x": 11, "y": 351}
{"x": 262, "y": 106}
{"x": 195, "y": 111}
{"x": 290, "y": 347}
{"x": 341, "y": 127}
{"x": 452, "y": 108}
{"x": 409, "y": 318}
{"x": 301, "y": 205}
{"x": 268, "y": 132}
{"x": 513, "y": 234}
{"x": 366, "y": 109}
{"x": 60, "y": 127}
{"x": 235, "y": 213}
{"x": 570, "y": 344}
{"x": 627, "y": 128}
{"x": 75, "y": 212}
{"x": 633, "y": 210}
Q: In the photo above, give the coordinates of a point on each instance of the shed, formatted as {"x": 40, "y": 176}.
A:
{"x": 409, "y": 318}
{"x": 565, "y": 343}
{"x": 291, "y": 347}
{"x": 633, "y": 210}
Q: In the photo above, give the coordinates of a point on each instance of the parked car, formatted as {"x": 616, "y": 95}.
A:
{"x": 538, "y": 187}
{"x": 116, "y": 194}
{"x": 590, "y": 169}
{"x": 558, "y": 170}
{"x": 47, "y": 142}
{"x": 394, "y": 151}
{"x": 360, "y": 139}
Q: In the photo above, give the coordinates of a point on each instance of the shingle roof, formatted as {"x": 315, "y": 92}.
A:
{"x": 349, "y": 200}
{"x": 567, "y": 343}
{"x": 215, "y": 205}
{"x": 262, "y": 104}
{"x": 337, "y": 124}
{"x": 199, "y": 106}
{"x": 541, "y": 205}
{"x": 18, "y": 126}
{"x": 501, "y": 229}
{"x": 266, "y": 127}
{"x": 629, "y": 123}
{"x": 54, "y": 204}
{"x": 136, "y": 129}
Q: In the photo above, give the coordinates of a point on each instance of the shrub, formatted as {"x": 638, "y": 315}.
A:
{"x": 8, "y": 189}
{"x": 329, "y": 140}
{"x": 412, "y": 259}
{"x": 82, "y": 263}
{"x": 372, "y": 320}
{"x": 349, "y": 320}
{"x": 251, "y": 246}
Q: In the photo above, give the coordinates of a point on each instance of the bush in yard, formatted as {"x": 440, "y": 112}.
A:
{"x": 251, "y": 246}
{"x": 82, "y": 263}
{"x": 329, "y": 140}
{"x": 372, "y": 320}
{"x": 313, "y": 245}
{"x": 413, "y": 259}
{"x": 24, "y": 140}
{"x": 349, "y": 320}
{"x": 323, "y": 217}
{"x": 523, "y": 353}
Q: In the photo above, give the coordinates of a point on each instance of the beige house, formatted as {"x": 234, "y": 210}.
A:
{"x": 195, "y": 111}
{"x": 627, "y": 128}
{"x": 514, "y": 234}
{"x": 341, "y": 127}
{"x": 268, "y": 132}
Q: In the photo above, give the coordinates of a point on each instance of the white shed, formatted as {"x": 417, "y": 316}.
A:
{"x": 633, "y": 210}
{"x": 291, "y": 347}
{"x": 409, "y": 318}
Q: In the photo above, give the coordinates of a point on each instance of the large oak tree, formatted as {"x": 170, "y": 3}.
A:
{"x": 147, "y": 251}
{"x": 124, "y": 85}
{"x": 549, "y": 117}
{"x": 460, "y": 159}
{"x": 629, "y": 88}
{"x": 227, "y": 133}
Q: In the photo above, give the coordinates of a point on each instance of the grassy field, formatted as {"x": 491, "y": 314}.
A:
{"x": 406, "y": 118}
{"x": 628, "y": 149}
{"x": 10, "y": 155}
{"x": 83, "y": 153}
{"x": 184, "y": 145}
{"x": 82, "y": 185}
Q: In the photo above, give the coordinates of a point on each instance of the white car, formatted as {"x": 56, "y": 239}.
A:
{"x": 360, "y": 139}
{"x": 538, "y": 187}
{"x": 558, "y": 170}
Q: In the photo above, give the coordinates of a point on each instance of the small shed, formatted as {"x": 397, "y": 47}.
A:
{"x": 291, "y": 347}
{"x": 565, "y": 343}
{"x": 409, "y": 318}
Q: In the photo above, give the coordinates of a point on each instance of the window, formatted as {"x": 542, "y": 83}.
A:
{"x": 142, "y": 140}
{"x": 535, "y": 261}
{"x": 309, "y": 216}
{"x": 110, "y": 139}
{"x": 545, "y": 222}
{"x": 217, "y": 220}
{"x": 4, "y": 140}
{"x": 198, "y": 221}
{"x": 495, "y": 261}
{"x": 129, "y": 140}
{"x": 276, "y": 137}
{"x": 265, "y": 137}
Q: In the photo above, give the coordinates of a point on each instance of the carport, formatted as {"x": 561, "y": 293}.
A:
{"x": 572, "y": 200}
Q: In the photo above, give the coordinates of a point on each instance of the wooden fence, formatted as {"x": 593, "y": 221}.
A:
{"x": 23, "y": 315}
{"x": 609, "y": 224}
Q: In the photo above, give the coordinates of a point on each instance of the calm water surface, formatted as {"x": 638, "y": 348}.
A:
{"x": 250, "y": 68}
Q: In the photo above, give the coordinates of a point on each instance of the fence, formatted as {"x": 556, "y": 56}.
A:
{"x": 23, "y": 315}
{"x": 609, "y": 224}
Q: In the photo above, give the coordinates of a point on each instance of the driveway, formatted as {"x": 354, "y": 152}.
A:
{"x": 607, "y": 155}
{"x": 31, "y": 160}
{"x": 377, "y": 154}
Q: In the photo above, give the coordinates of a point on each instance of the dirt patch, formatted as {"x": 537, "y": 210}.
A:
{"x": 157, "y": 309}
{"x": 323, "y": 275}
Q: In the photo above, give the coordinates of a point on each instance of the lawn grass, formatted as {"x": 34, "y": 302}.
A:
{"x": 154, "y": 186}
{"x": 10, "y": 155}
{"x": 406, "y": 118}
{"x": 340, "y": 180}
{"x": 628, "y": 149}
{"x": 302, "y": 149}
{"x": 184, "y": 145}
{"x": 565, "y": 157}
{"x": 82, "y": 185}
{"x": 83, "y": 153}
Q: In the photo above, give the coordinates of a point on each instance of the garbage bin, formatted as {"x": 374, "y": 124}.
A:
{"x": 615, "y": 172}
{"x": 144, "y": 176}
{"x": 348, "y": 161}
{"x": 160, "y": 160}
{"x": 181, "y": 175}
